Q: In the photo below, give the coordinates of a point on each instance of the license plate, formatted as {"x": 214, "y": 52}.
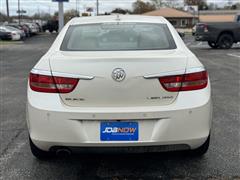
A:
{"x": 119, "y": 131}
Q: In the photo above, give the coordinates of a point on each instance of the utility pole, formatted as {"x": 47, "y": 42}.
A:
{"x": 76, "y": 6}
{"x": 60, "y": 16}
{"x": 7, "y": 8}
{"x": 97, "y": 8}
{"x": 19, "y": 12}
{"x": 60, "y": 13}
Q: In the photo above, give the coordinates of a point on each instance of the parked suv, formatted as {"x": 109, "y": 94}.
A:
{"x": 51, "y": 25}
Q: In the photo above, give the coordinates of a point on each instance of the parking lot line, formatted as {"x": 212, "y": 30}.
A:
{"x": 234, "y": 55}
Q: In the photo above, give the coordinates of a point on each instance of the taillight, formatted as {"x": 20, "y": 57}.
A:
{"x": 185, "y": 82}
{"x": 205, "y": 28}
{"x": 52, "y": 84}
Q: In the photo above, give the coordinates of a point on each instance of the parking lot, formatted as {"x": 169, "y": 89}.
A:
{"x": 222, "y": 161}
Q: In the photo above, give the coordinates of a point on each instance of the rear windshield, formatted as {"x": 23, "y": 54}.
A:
{"x": 118, "y": 37}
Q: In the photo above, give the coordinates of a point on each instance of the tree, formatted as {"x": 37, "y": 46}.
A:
{"x": 171, "y": 3}
{"x": 212, "y": 6}
{"x": 140, "y": 7}
{"x": 165, "y": 3}
{"x": 202, "y": 4}
{"x": 235, "y": 6}
{"x": 3, "y": 17}
{"x": 85, "y": 14}
{"x": 36, "y": 16}
{"x": 121, "y": 11}
{"x": 158, "y": 3}
{"x": 46, "y": 16}
{"x": 55, "y": 15}
{"x": 69, "y": 14}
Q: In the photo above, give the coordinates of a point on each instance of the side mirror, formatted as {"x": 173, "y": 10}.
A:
{"x": 181, "y": 34}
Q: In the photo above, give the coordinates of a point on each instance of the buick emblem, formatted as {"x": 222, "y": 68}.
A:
{"x": 118, "y": 74}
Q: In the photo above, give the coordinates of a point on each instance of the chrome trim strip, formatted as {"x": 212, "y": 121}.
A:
{"x": 172, "y": 73}
{"x": 169, "y": 73}
{"x": 134, "y": 119}
{"x": 195, "y": 69}
{"x": 61, "y": 74}
{"x": 42, "y": 72}
{"x": 79, "y": 76}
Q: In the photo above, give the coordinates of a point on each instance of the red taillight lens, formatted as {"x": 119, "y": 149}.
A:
{"x": 51, "y": 84}
{"x": 205, "y": 28}
{"x": 186, "y": 82}
{"x": 172, "y": 83}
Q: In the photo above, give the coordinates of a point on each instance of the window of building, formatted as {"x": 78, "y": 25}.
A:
{"x": 183, "y": 22}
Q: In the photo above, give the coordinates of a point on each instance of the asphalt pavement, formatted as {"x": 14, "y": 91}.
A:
{"x": 222, "y": 161}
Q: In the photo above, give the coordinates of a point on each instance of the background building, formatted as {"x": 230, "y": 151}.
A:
{"x": 218, "y": 15}
{"x": 178, "y": 18}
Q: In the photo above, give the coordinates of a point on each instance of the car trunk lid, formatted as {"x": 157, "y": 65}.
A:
{"x": 97, "y": 87}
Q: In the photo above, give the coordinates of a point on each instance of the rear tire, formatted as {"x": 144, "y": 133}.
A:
{"x": 225, "y": 41}
{"x": 213, "y": 45}
{"x": 202, "y": 149}
{"x": 38, "y": 153}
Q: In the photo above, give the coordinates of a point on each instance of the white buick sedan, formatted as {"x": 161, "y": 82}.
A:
{"x": 118, "y": 82}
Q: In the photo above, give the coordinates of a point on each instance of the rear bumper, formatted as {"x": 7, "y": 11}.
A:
{"x": 16, "y": 37}
{"x": 185, "y": 122}
{"x": 205, "y": 37}
{"x": 6, "y": 37}
{"x": 123, "y": 149}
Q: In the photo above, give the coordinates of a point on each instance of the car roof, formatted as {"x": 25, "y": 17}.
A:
{"x": 118, "y": 18}
{"x": 3, "y": 27}
{"x": 8, "y": 28}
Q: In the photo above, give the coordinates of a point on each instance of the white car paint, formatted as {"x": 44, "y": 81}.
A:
{"x": 33, "y": 27}
{"x": 15, "y": 33}
{"x": 16, "y": 36}
{"x": 178, "y": 118}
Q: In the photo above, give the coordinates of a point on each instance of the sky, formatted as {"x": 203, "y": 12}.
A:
{"x": 34, "y": 6}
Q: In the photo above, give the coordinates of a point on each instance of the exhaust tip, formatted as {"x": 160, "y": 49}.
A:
{"x": 63, "y": 152}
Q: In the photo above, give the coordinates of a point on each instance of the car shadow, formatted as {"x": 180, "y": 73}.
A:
{"x": 125, "y": 166}
{"x": 218, "y": 49}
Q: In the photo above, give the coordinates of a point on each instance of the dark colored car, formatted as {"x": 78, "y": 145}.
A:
{"x": 5, "y": 35}
{"x": 219, "y": 35}
{"x": 51, "y": 25}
